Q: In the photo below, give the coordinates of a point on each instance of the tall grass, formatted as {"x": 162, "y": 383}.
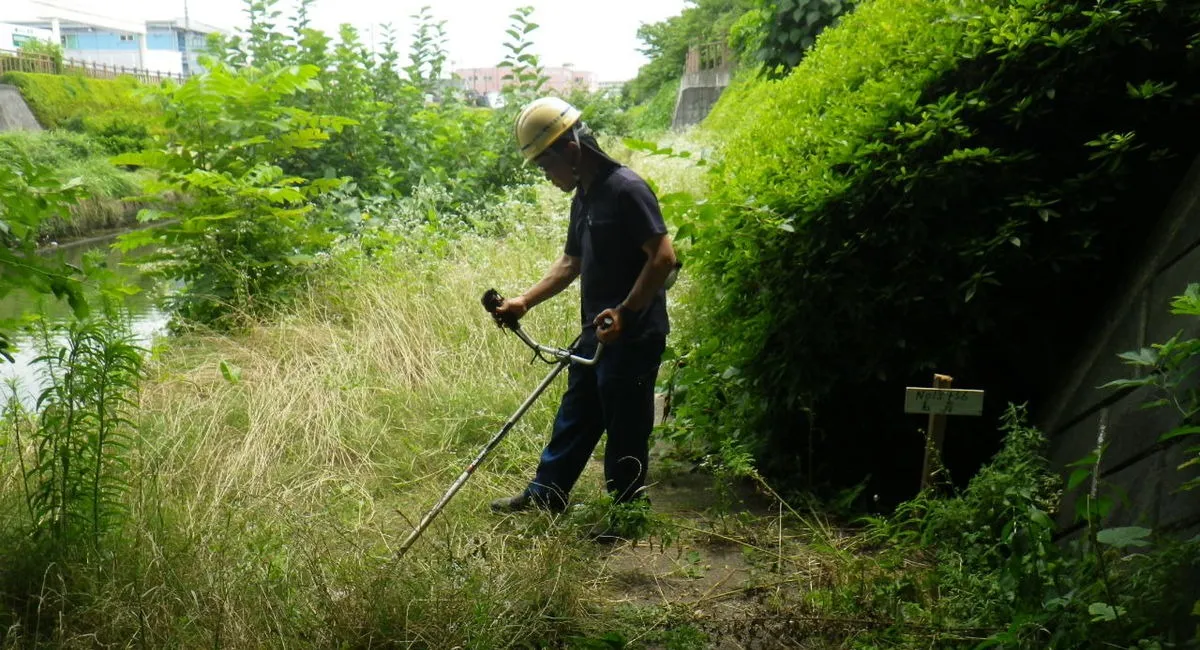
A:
{"x": 270, "y": 497}
{"x": 80, "y": 158}
{"x": 276, "y": 471}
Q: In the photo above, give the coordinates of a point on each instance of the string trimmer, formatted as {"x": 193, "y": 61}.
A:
{"x": 560, "y": 358}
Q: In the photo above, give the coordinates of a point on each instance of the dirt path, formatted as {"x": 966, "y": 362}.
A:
{"x": 730, "y": 570}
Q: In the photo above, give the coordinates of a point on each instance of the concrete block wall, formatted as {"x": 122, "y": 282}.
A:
{"x": 14, "y": 112}
{"x": 1134, "y": 461}
{"x": 698, "y": 93}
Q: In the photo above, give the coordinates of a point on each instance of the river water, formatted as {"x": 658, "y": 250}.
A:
{"x": 147, "y": 320}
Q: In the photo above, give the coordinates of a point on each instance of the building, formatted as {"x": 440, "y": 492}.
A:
{"x": 611, "y": 88}
{"x": 12, "y": 37}
{"x": 168, "y": 46}
{"x": 490, "y": 81}
{"x": 187, "y": 37}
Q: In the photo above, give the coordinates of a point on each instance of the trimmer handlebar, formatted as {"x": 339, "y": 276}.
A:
{"x": 491, "y": 302}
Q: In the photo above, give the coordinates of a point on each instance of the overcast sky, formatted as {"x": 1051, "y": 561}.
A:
{"x": 597, "y": 36}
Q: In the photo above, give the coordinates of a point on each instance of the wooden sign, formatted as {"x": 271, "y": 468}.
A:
{"x": 943, "y": 401}
{"x": 937, "y": 403}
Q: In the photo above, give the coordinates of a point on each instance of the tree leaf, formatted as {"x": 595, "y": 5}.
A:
{"x": 1143, "y": 357}
{"x": 1105, "y": 612}
{"x": 1179, "y": 431}
{"x": 230, "y": 372}
{"x": 1124, "y": 536}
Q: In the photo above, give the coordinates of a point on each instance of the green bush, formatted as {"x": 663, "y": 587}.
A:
{"x": 246, "y": 232}
{"x": 666, "y": 42}
{"x": 602, "y": 112}
{"x": 932, "y": 188}
{"x": 394, "y": 141}
{"x": 659, "y": 112}
{"x": 73, "y": 156}
{"x": 779, "y": 32}
{"x": 988, "y": 561}
{"x": 117, "y": 134}
{"x": 57, "y": 99}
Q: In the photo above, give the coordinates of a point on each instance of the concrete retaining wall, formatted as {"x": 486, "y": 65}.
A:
{"x": 698, "y": 93}
{"x": 14, "y": 112}
{"x": 1134, "y": 461}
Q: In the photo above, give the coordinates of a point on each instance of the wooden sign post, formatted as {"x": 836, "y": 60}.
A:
{"x": 939, "y": 402}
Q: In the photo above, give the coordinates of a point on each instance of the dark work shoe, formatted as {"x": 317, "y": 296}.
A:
{"x": 522, "y": 502}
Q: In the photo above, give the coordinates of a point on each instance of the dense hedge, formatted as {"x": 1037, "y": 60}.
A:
{"x": 940, "y": 184}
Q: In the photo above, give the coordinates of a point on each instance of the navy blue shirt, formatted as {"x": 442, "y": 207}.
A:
{"x": 609, "y": 225}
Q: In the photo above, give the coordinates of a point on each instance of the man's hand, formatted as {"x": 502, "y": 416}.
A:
{"x": 515, "y": 307}
{"x": 611, "y": 333}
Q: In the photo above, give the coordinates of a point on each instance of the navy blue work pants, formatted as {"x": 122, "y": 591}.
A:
{"x": 614, "y": 396}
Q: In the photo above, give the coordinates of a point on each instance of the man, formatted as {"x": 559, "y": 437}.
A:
{"x": 618, "y": 243}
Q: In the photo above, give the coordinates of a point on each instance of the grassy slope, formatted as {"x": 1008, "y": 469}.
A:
{"x": 56, "y": 99}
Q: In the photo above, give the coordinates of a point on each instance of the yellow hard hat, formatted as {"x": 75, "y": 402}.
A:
{"x": 541, "y": 123}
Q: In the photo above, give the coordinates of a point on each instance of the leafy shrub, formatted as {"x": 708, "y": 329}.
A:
{"x": 987, "y": 560}
{"x": 30, "y": 195}
{"x": 58, "y": 99}
{"x": 116, "y": 133}
{"x": 778, "y": 32}
{"x": 1169, "y": 368}
{"x": 602, "y": 112}
{"x": 667, "y": 42}
{"x": 245, "y": 232}
{"x": 81, "y": 431}
{"x": 49, "y": 148}
{"x": 37, "y": 48}
{"x": 395, "y": 140}
{"x": 659, "y": 113}
{"x": 67, "y": 462}
{"x": 73, "y": 157}
{"x": 918, "y": 194}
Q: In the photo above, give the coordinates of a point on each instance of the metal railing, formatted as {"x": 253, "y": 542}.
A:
{"x": 708, "y": 56}
{"x": 41, "y": 63}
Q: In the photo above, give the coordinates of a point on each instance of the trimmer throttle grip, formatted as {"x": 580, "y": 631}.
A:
{"x": 491, "y": 302}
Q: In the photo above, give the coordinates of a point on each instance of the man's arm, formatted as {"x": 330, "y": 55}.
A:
{"x": 660, "y": 259}
{"x": 560, "y": 276}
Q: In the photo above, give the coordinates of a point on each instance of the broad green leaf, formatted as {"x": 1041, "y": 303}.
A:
{"x": 1088, "y": 461}
{"x": 1128, "y": 383}
{"x": 230, "y": 372}
{"x": 1040, "y": 518}
{"x": 146, "y": 215}
{"x": 1124, "y": 537}
{"x": 640, "y": 145}
{"x": 1105, "y": 612}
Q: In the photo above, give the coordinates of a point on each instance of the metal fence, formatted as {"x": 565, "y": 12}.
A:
{"x": 708, "y": 56}
{"x": 41, "y": 63}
